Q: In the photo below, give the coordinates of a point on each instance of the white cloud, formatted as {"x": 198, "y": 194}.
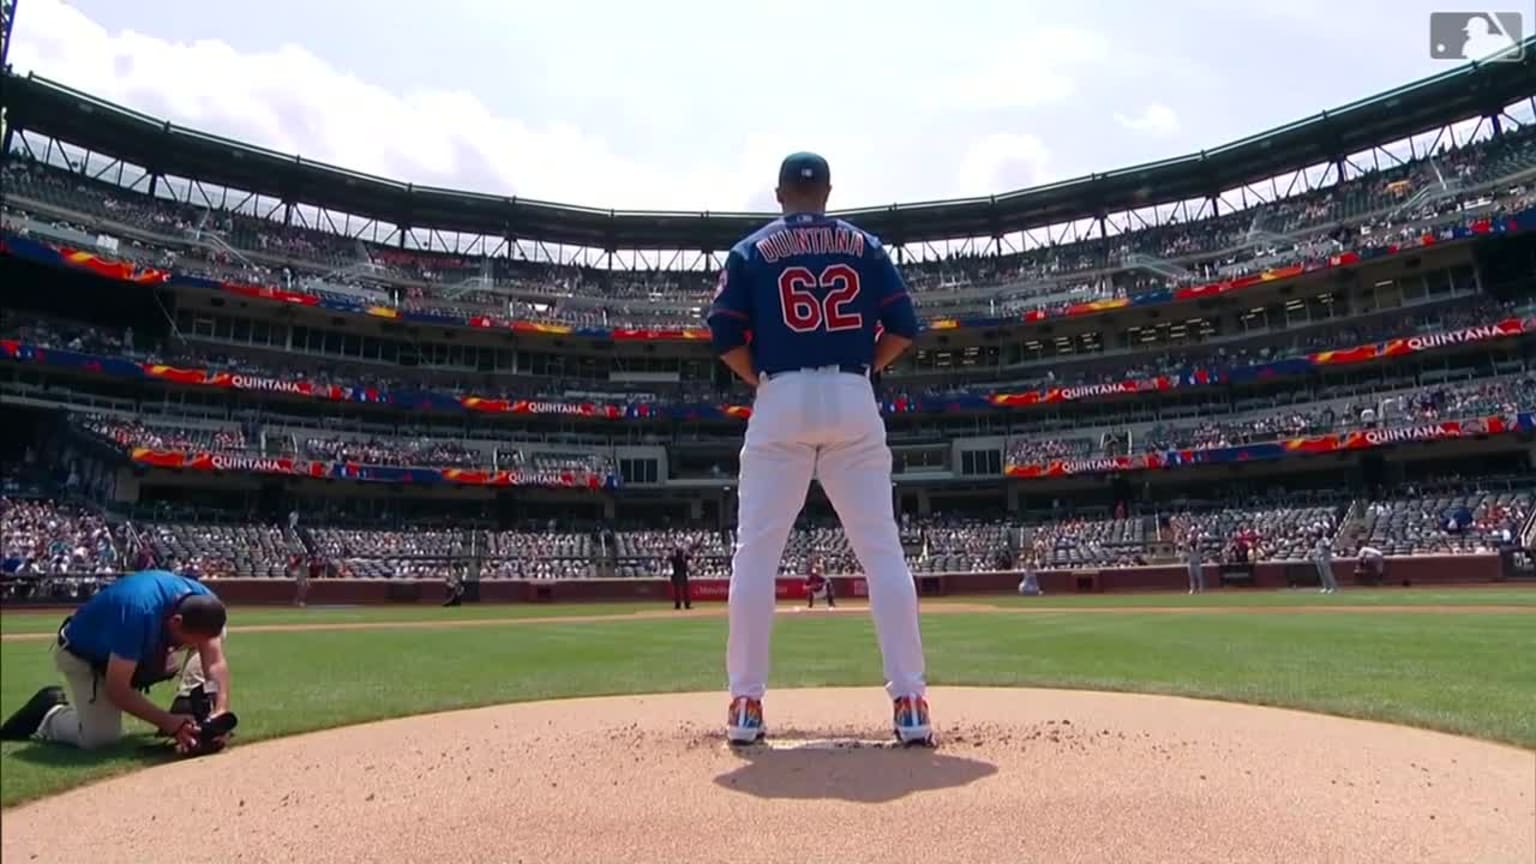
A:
{"x": 1035, "y": 70}
{"x": 649, "y": 107}
{"x": 292, "y": 101}
{"x": 1156, "y": 119}
{"x": 1004, "y": 162}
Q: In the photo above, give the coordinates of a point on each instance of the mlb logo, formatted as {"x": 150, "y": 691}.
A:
{"x": 1487, "y": 37}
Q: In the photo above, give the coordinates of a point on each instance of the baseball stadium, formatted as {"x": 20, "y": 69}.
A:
{"x": 1215, "y": 478}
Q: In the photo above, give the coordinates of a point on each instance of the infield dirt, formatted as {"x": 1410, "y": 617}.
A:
{"x": 1019, "y": 774}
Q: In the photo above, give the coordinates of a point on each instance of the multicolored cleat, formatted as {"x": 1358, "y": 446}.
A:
{"x": 744, "y": 725}
{"x": 912, "y": 727}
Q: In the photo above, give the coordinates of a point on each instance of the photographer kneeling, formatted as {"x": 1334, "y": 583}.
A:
{"x": 119, "y": 643}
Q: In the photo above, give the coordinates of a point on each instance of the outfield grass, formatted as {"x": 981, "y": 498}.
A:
{"x": 1469, "y": 672}
{"x": 20, "y": 622}
{"x": 48, "y": 621}
{"x": 1520, "y": 595}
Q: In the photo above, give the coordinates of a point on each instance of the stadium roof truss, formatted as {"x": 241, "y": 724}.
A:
{"x": 105, "y": 142}
{"x": 7, "y": 21}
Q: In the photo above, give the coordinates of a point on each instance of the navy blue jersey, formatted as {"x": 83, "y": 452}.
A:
{"x": 811, "y": 290}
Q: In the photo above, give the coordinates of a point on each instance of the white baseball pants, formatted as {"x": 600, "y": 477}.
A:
{"x": 825, "y": 424}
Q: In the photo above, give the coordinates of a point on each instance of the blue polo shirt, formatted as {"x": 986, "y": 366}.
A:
{"x": 127, "y": 618}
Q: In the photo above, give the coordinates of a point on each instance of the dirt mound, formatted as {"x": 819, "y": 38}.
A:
{"x": 1018, "y": 775}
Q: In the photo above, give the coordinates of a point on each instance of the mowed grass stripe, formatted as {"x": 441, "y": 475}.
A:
{"x": 1471, "y": 674}
{"x": 16, "y": 622}
{"x": 26, "y": 621}
{"x": 1522, "y": 594}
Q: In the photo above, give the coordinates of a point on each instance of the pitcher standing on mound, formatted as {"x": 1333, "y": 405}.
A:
{"x": 795, "y": 316}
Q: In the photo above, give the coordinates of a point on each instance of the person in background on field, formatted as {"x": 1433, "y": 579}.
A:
{"x": 817, "y": 582}
{"x": 681, "y": 598}
{"x": 1195, "y": 561}
{"x": 1322, "y": 556}
{"x": 1370, "y": 566}
{"x": 455, "y": 587}
{"x": 299, "y": 573}
{"x": 1029, "y": 585}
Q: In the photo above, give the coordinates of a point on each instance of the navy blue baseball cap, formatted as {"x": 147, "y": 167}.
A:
{"x": 804, "y": 169}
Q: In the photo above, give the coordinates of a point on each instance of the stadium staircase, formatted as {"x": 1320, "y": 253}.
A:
{"x": 218, "y": 243}
{"x": 1161, "y": 547}
{"x": 1351, "y": 526}
{"x": 1157, "y": 266}
{"x": 304, "y": 541}
{"x": 1522, "y": 563}
{"x": 605, "y": 563}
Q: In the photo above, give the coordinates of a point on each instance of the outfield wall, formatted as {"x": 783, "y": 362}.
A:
{"x": 1426, "y": 570}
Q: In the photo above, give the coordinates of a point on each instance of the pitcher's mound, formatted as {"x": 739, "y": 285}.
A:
{"x": 1019, "y": 775}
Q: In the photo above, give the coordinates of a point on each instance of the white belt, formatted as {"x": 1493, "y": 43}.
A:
{"x": 811, "y": 370}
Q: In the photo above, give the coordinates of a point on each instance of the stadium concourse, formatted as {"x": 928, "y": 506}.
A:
{"x": 226, "y": 383}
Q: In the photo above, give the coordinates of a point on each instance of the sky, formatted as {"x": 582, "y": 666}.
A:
{"x": 690, "y": 104}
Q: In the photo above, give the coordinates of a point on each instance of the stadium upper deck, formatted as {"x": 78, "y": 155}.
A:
{"x": 1476, "y": 189}
{"x": 1353, "y": 209}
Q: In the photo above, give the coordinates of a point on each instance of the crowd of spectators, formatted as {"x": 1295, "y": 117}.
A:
{"x": 1467, "y": 522}
{"x": 1072, "y": 543}
{"x": 1256, "y": 534}
{"x": 1499, "y": 396}
{"x": 220, "y": 550}
{"x": 404, "y": 451}
{"x": 1218, "y": 427}
{"x": 1222, "y": 356}
{"x": 44, "y": 540}
{"x": 396, "y": 451}
{"x": 426, "y": 543}
{"x": 647, "y": 552}
{"x": 961, "y": 545}
{"x": 167, "y": 436}
{"x": 540, "y": 568}
{"x": 1036, "y": 451}
{"x": 1136, "y": 366}
{"x": 43, "y": 537}
{"x": 540, "y": 555}
{"x": 320, "y": 371}
{"x": 1478, "y": 398}
{"x": 1097, "y": 264}
{"x": 827, "y": 544}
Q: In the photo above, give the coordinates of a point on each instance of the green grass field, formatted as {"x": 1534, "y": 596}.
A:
{"x": 1470, "y": 671}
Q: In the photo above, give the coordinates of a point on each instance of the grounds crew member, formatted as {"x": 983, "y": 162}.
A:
{"x": 1371, "y": 565}
{"x": 118, "y": 644}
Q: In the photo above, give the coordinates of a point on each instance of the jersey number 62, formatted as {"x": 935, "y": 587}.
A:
{"x": 805, "y": 312}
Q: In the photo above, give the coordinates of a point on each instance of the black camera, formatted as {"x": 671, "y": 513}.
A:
{"x": 198, "y": 705}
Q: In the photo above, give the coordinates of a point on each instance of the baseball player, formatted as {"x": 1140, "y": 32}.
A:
{"x": 798, "y": 315}
{"x": 299, "y": 570}
{"x": 1322, "y": 556}
{"x": 453, "y": 589}
{"x": 1196, "y": 564}
{"x": 816, "y": 582}
{"x": 1029, "y": 585}
{"x": 682, "y": 596}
